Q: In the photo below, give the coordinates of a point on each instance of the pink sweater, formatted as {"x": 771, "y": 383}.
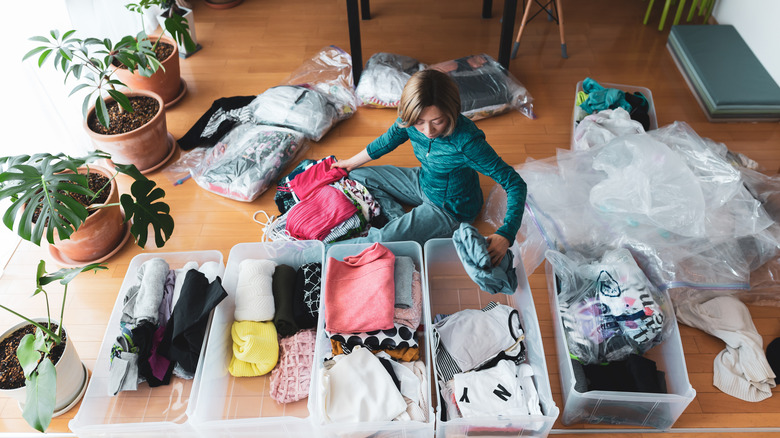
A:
{"x": 359, "y": 293}
{"x": 318, "y": 175}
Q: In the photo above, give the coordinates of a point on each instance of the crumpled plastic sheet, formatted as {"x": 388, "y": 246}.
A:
{"x": 329, "y": 71}
{"x": 669, "y": 196}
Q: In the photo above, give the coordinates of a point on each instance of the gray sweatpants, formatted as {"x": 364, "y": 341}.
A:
{"x": 394, "y": 187}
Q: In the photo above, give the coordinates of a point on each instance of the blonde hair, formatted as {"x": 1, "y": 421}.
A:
{"x": 430, "y": 88}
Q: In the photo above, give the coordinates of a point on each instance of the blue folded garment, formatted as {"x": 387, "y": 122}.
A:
{"x": 472, "y": 251}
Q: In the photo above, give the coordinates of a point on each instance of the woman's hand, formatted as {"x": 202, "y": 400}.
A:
{"x": 354, "y": 162}
{"x": 497, "y": 248}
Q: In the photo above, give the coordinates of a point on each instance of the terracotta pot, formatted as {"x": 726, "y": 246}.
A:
{"x": 165, "y": 81}
{"x": 223, "y": 4}
{"x": 100, "y": 234}
{"x": 71, "y": 375}
{"x": 146, "y": 147}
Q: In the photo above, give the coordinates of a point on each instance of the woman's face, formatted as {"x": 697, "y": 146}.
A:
{"x": 432, "y": 122}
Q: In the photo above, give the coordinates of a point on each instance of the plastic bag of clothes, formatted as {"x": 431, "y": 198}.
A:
{"x": 330, "y": 73}
{"x": 298, "y": 108}
{"x": 247, "y": 161}
{"x": 384, "y": 78}
{"x": 486, "y": 87}
{"x": 608, "y": 307}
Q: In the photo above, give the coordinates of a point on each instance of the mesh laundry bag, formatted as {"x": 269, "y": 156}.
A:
{"x": 290, "y": 379}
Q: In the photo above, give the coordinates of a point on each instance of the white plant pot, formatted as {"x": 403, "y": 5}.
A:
{"x": 190, "y": 17}
{"x": 71, "y": 376}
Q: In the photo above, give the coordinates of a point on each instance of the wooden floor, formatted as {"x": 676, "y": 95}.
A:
{"x": 255, "y": 46}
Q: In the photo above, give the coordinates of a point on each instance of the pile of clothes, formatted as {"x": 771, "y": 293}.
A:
{"x": 594, "y": 98}
{"x": 319, "y": 202}
{"x": 163, "y": 325}
{"x": 481, "y": 364}
{"x": 276, "y": 311}
{"x": 373, "y": 309}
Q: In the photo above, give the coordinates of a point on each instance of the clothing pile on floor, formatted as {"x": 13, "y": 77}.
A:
{"x": 276, "y": 311}
{"x": 242, "y": 143}
{"x": 373, "y": 305}
{"x": 481, "y": 364}
{"x": 594, "y": 98}
{"x": 163, "y": 324}
{"x": 320, "y": 202}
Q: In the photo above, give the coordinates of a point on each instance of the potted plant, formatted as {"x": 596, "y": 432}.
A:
{"x": 77, "y": 205}
{"x": 165, "y": 79}
{"x": 131, "y": 126}
{"x": 41, "y": 367}
{"x": 171, "y": 10}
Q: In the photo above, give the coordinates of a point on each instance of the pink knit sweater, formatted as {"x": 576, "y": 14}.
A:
{"x": 359, "y": 293}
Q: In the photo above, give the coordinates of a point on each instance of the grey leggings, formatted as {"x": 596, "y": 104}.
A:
{"x": 394, "y": 186}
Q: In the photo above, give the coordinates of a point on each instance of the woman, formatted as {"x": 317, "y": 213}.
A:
{"x": 445, "y": 190}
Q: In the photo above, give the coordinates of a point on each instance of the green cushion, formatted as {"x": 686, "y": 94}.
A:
{"x": 724, "y": 71}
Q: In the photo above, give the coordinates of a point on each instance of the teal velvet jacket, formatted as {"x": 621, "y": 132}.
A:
{"x": 449, "y": 167}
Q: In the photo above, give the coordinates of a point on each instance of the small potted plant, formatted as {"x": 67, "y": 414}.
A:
{"x": 169, "y": 20}
{"x": 77, "y": 204}
{"x": 165, "y": 79}
{"x": 41, "y": 368}
{"x": 131, "y": 126}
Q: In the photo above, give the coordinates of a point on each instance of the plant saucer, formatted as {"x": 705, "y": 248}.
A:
{"x": 182, "y": 92}
{"x": 66, "y": 262}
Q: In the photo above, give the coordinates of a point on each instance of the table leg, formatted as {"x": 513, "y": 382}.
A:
{"x": 487, "y": 8}
{"x": 507, "y": 29}
{"x": 355, "y": 49}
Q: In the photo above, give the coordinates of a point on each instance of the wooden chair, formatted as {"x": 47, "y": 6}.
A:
{"x": 554, "y": 13}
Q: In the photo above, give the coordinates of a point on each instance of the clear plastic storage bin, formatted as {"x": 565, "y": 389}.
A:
{"x": 242, "y": 406}
{"x": 163, "y": 411}
{"x": 400, "y": 429}
{"x": 623, "y": 408}
{"x": 452, "y": 290}
{"x": 628, "y": 89}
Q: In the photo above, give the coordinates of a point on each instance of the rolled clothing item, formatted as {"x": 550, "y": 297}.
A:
{"x": 404, "y": 266}
{"x": 306, "y": 301}
{"x": 411, "y": 316}
{"x": 360, "y": 291}
{"x": 283, "y": 291}
{"x": 142, "y": 301}
{"x": 471, "y": 248}
{"x": 255, "y": 348}
{"x": 254, "y": 291}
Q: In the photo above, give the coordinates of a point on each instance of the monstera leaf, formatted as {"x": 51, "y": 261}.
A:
{"x": 42, "y": 183}
{"x": 145, "y": 208}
